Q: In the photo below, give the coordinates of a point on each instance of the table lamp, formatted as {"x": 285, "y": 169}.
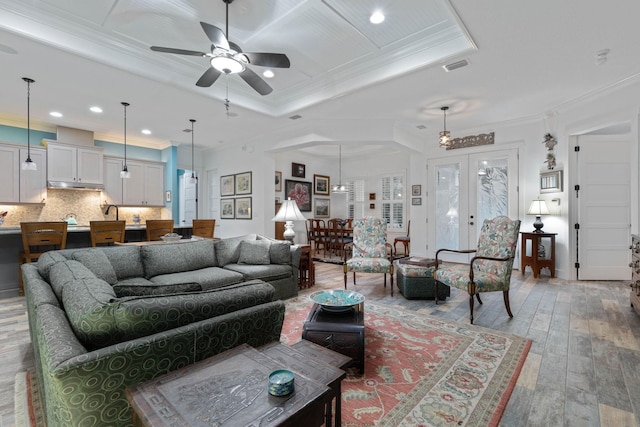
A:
{"x": 288, "y": 213}
{"x": 537, "y": 208}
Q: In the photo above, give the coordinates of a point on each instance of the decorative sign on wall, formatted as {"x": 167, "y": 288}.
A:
{"x": 472, "y": 141}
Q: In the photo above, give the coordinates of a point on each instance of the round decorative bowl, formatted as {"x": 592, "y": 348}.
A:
{"x": 336, "y": 300}
{"x": 281, "y": 382}
{"x": 170, "y": 238}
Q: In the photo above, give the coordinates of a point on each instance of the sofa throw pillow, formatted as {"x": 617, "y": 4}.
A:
{"x": 96, "y": 261}
{"x": 63, "y": 273}
{"x": 48, "y": 260}
{"x": 89, "y": 305}
{"x": 255, "y": 252}
{"x": 228, "y": 250}
{"x": 280, "y": 252}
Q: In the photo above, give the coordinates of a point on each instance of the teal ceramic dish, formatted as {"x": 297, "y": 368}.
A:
{"x": 281, "y": 382}
{"x": 337, "y": 299}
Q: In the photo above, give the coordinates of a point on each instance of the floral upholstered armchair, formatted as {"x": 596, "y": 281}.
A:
{"x": 370, "y": 251}
{"x": 490, "y": 269}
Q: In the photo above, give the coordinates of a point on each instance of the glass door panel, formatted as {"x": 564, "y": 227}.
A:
{"x": 466, "y": 190}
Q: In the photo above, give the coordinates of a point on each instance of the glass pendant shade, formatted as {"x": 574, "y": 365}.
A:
{"x": 193, "y": 178}
{"x": 124, "y": 173}
{"x": 339, "y": 187}
{"x": 445, "y": 135}
{"x": 28, "y": 164}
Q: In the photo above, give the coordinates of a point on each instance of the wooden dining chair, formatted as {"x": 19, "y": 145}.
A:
{"x": 203, "y": 227}
{"x": 106, "y": 232}
{"x": 156, "y": 228}
{"x": 339, "y": 237}
{"x": 319, "y": 232}
{"x": 38, "y": 238}
{"x": 405, "y": 240}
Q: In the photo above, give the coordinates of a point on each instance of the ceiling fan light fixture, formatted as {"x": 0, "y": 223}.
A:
{"x": 227, "y": 65}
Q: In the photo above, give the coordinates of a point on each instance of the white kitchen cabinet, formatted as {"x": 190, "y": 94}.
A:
{"x": 73, "y": 164}
{"x": 33, "y": 184}
{"x": 145, "y": 187}
{"x": 9, "y": 174}
{"x": 18, "y": 186}
{"x": 112, "y": 193}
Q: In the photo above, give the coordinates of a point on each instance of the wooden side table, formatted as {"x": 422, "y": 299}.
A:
{"x": 536, "y": 255}
{"x": 307, "y": 273}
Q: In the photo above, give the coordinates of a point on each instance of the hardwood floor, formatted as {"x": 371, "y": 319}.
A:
{"x": 583, "y": 368}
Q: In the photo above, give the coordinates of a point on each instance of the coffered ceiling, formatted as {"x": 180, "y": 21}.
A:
{"x": 350, "y": 81}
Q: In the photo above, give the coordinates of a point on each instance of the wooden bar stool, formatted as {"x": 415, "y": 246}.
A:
{"x": 203, "y": 227}
{"x": 106, "y": 232}
{"x": 156, "y": 228}
{"x": 38, "y": 238}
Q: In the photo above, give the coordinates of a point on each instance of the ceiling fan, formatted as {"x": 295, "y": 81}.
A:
{"x": 228, "y": 58}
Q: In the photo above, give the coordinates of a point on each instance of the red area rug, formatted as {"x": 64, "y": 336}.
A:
{"x": 423, "y": 371}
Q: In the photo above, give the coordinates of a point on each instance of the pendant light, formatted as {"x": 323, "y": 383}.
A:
{"x": 28, "y": 164}
{"x": 445, "y": 135}
{"x": 340, "y": 187}
{"x": 124, "y": 173}
{"x": 193, "y": 179}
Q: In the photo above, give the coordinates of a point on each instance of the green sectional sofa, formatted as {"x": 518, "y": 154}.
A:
{"x": 104, "y": 319}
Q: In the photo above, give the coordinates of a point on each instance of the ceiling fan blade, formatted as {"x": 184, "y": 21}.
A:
{"x": 216, "y": 35}
{"x": 277, "y": 60}
{"x": 177, "y": 51}
{"x": 256, "y": 82}
{"x": 208, "y": 78}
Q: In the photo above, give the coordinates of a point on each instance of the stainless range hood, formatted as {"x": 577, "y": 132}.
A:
{"x": 75, "y": 185}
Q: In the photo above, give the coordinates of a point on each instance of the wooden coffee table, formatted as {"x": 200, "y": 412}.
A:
{"x": 342, "y": 332}
{"x": 228, "y": 389}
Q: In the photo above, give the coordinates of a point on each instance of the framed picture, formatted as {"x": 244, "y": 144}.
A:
{"x": 416, "y": 201}
{"x": 227, "y": 185}
{"x": 323, "y": 208}
{"x": 297, "y": 170}
{"x": 300, "y": 191}
{"x": 278, "y": 181}
{"x": 243, "y": 183}
{"x": 167, "y": 196}
{"x": 321, "y": 184}
{"x": 551, "y": 182}
{"x": 372, "y": 205}
{"x": 243, "y": 208}
{"x": 372, "y": 196}
{"x": 416, "y": 190}
{"x": 227, "y": 208}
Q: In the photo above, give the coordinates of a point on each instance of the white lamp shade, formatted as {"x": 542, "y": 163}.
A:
{"x": 289, "y": 212}
{"x": 538, "y": 207}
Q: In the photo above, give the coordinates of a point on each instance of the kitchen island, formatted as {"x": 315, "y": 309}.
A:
{"x": 77, "y": 237}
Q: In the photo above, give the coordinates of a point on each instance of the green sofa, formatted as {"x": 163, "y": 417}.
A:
{"x": 104, "y": 319}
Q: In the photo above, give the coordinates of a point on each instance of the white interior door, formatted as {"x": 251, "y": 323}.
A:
{"x": 465, "y": 190}
{"x": 187, "y": 198}
{"x": 604, "y": 207}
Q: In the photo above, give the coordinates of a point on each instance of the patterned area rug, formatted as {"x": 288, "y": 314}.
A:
{"x": 423, "y": 371}
{"x": 28, "y": 406}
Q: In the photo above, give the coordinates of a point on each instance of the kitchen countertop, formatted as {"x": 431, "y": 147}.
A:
{"x": 4, "y": 230}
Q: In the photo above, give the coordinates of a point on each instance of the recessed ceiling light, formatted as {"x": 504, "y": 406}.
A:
{"x": 376, "y": 17}
{"x": 96, "y": 109}
{"x": 146, "y": 131}
{"x": 268, "y": 74}
{"x": 55, "y": 114}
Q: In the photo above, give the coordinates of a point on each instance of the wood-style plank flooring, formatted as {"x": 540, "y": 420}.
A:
{"x": 583, "y": 368}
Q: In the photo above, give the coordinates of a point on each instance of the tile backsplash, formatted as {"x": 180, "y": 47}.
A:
{"x": 84, "y": 205}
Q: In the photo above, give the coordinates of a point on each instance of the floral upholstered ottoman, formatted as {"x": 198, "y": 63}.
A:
{"x": 415, "y": 280}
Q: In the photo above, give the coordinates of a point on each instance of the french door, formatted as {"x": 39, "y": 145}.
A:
{"x": 465, "y": 190}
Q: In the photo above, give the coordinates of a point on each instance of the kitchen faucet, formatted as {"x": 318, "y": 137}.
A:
{"x": 109, "y": 207}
